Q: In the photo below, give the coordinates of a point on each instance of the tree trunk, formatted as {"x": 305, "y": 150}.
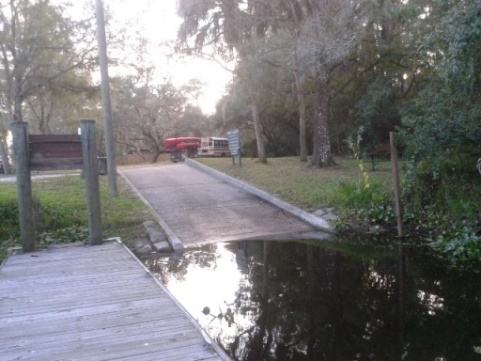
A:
{"x": 157, "y": 153}
{"x": 261, "y": 152}
{"x": 17, "y": 110}
{"x": 315, "y": 121}
{"x": 4, "y": 156}
{"x": 302, "y": 115}
{"x": 321, "y": 156}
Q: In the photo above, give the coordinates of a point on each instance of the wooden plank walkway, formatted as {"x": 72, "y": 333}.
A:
{"x": 86, "y": 303}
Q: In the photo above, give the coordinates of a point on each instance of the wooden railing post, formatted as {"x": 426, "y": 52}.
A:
{"x": 24, "y": 185}
{"x": 89, "y": 154}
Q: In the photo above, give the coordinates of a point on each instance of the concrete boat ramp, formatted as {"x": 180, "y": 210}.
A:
{"x": 195, "y": 204}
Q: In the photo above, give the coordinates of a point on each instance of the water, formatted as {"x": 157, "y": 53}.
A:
{"x": 299, "y": 301}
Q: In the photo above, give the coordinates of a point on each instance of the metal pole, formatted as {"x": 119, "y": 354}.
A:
{"x": 24, "y": 185}
{"x": 89, "y": 154}
{"x": 107, "y": 108}
{"x": 395, "y": 176}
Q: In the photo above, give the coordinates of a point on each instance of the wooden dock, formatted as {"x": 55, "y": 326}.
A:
{"x": 86, "y": 303}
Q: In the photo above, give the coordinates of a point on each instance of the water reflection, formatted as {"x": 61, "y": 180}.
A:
{"x": 297, "y": 301}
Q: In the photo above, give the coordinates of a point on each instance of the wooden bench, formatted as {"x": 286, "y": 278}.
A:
{"x": 381, "y": 153}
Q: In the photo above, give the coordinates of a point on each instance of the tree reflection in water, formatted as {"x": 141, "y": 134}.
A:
{"x": 300, "y": 301}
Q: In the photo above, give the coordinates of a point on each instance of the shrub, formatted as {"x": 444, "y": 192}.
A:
{"x": 366, "y": 204}
{"x": 460, "y": 246}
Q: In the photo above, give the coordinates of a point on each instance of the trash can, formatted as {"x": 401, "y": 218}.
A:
{"x": 102, "y": 165}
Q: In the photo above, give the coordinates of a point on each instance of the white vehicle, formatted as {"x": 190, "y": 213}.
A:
{"x": 214, "y": 147}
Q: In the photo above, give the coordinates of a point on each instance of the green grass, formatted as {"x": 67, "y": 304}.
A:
{"x": 295, "y": 182}
{"x": 60, "y": 209}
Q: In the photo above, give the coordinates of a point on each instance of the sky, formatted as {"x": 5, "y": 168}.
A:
{"x": 157, "y": 21}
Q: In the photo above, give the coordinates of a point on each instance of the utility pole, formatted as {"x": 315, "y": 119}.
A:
{"x": 106, "y": 105}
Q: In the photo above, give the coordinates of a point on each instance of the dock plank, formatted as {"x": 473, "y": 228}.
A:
{"x": 86, "y": 303}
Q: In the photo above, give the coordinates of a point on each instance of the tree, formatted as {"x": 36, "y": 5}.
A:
{"x": 225, "y": 27}
{"x": 57, "y": 108}
{"x": 38, "y": 46}
{"x": 324, "y": 42}
{"x": 276, "y": 100}
{"x": 147, "y": 114}
{"x": 388, "y": 68}
{"x": 317, "y": 37}
{"x": 278, "y": 52}
{"x": 441, "y": 126}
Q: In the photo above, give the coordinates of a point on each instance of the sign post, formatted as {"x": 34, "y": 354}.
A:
{"x": 233, "y": 137}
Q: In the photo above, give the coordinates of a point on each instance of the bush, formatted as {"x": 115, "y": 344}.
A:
{"x": 366, "y": 204}
{"x": 64, "y": 235}
{"x": 460, "y": 246}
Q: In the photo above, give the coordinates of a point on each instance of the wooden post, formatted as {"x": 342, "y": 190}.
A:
{"x": 90, "y": 171}
{"x": 24, "y": 185}
{"x": 395, "y": 176}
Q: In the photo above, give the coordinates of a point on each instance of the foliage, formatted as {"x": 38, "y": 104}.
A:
{"x": 63, "y": 235}
{"x": 365, "y": 201}
{"x": 45, "y": 59}
{"x": 461, "y": 246}
{"x": 30, "y": 64}
{"x": 377, "y": 109}
{"x": 441, "y": 127}
{"x": 275, "y": 99}
{"x": 442, "y": 134}
{"x": 366, "y": 205}
{"x": 385, "y": 72}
